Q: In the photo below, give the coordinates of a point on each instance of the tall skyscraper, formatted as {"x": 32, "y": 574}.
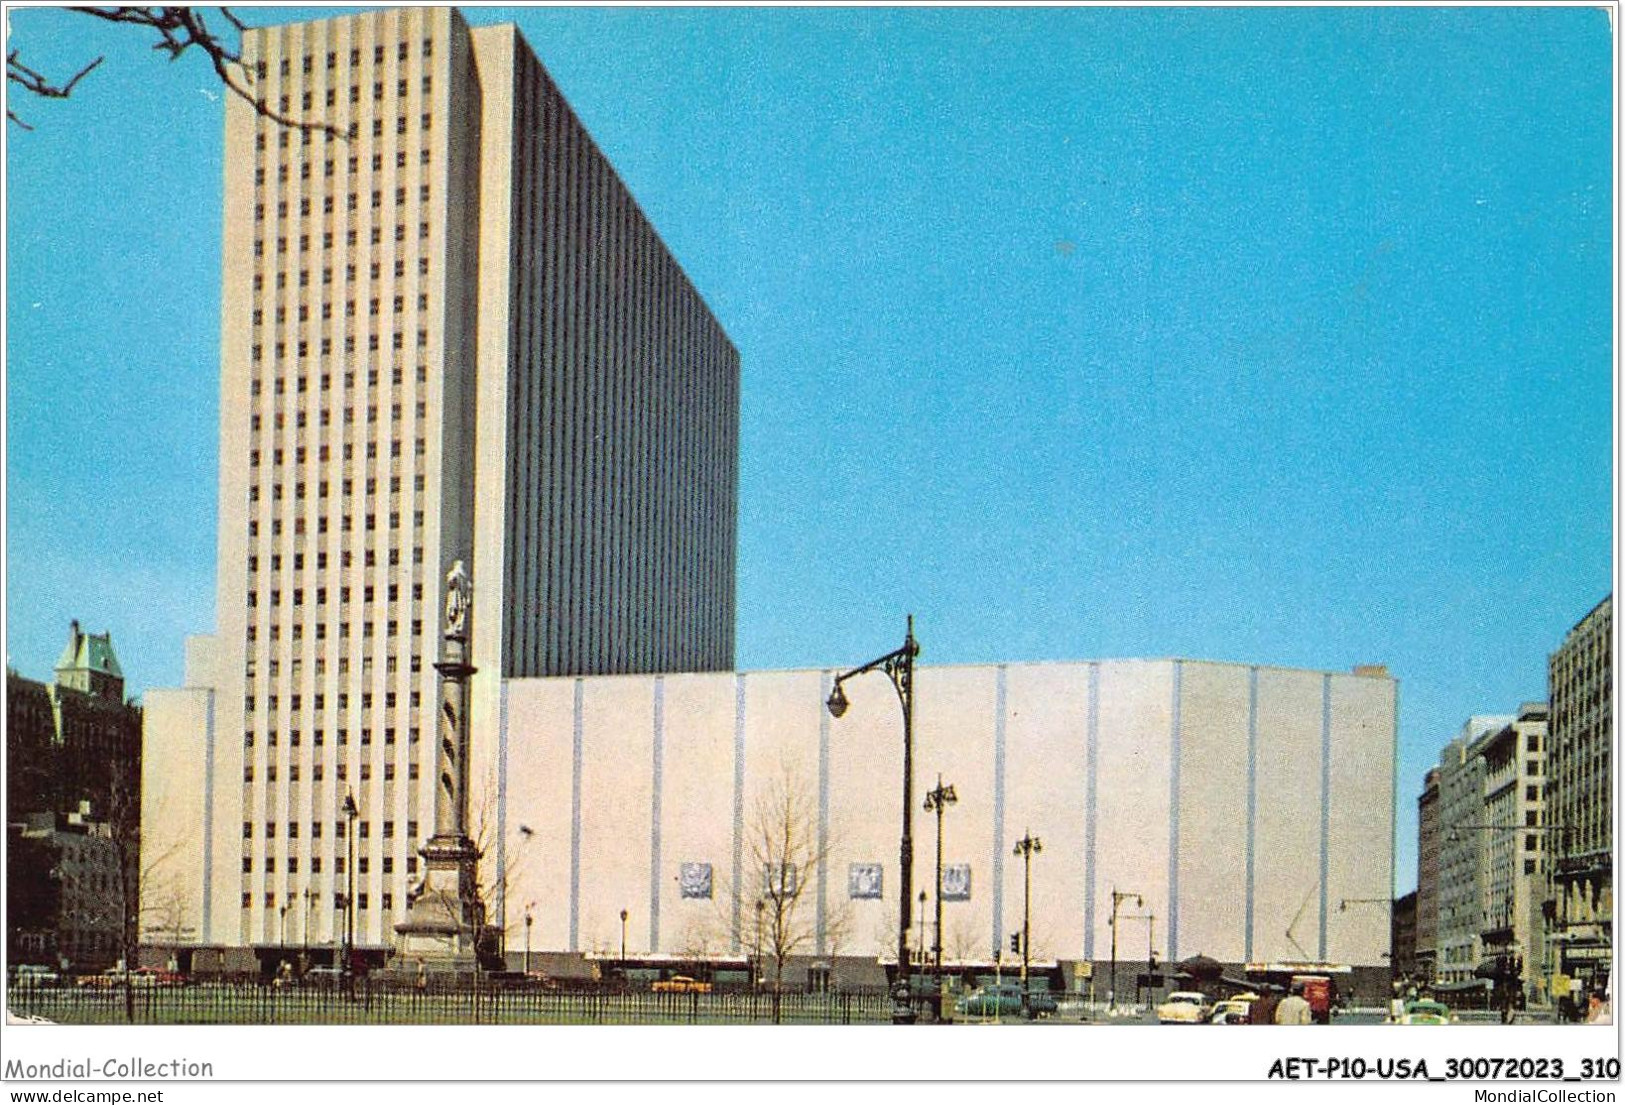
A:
{"x": 448, "y": 334}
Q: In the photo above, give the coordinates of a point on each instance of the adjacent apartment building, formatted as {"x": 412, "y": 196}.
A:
{"x": 73, "y": 769}
{"x": 1580, "y": 802}
{"x": 449, "y": 334}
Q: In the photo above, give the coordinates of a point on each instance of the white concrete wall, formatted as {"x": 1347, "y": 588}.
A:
{"x": 1027, "y": 769}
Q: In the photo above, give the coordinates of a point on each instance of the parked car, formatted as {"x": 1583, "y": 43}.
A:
{"x": 680, "y": 984}
{"x": 1004, "y": 999}
{"x": 1183, "y": 1007}
{"x": 156, "y": 976}
{"x": 1235, "y": 1010}
{"x": 1425, "y": 1012}
{"x": 106, "y": 980}
{"x": 37, "y": 974}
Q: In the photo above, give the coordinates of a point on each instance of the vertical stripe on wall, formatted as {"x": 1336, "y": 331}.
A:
{"x": 739, "y": 803}
{"x": 1252, "y": 803}
{"x": 1089, "y": 810}
{"x": 998, "y": 812}
{"x": 206, "y": 922}
{"x": 502, "y": 807}
{"x": 654, "y": 813}
{"x": 575, "y": 821}
{"x": 1325, "y": 798}
{"x": 1173, "y": 817}
{"x": 824, "y": 687}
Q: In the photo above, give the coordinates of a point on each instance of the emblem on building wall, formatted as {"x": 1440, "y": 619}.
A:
{"x": 864, "y": 881}
{"x": 694, "y": 880}
{"x": 956, "y": 882}
{"x": 779, "y": 880}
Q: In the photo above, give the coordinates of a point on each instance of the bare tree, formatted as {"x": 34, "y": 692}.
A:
{"x": 963, "y": 941}
{"x": 495, "y": 869}
{"x": 176, "y": 32}
{"x": 141, "y": 884}
{"x": 784, "y": 848}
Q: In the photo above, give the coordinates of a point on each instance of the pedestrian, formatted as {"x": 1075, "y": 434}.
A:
{"x": 423, "y": 977}
{"x": 1263, "y": 1009}
{"x": 1293, "y": 1009}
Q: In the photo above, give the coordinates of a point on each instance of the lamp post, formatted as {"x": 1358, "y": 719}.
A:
{"x": 528, "y": 920}
{"x": 624, "y": 916}
{"x": 283, "y": 911}
{"x": 937, "y": 800}
{"x": 504, "y": 867}
{"x": 899, "y": 668}
{"x": 310, "y": 905}
{"x": 922, "y": 929}
{"x": 1118, "y": 898}
{"x": 350, "y": 814}
{"x": 1025, "y": 847}
{"x": 756, "y": 973}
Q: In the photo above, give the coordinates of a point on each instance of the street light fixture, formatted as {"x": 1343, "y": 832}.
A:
{"x": 937, "y": 801}
{"x": 899, "y": 668}
{"x": 310, "y": 904}
{"x": 528, "y": 920}
{"x": 1118, "y": 898}
{"x": 350, "y": 814}
{"x": 756, "y": 974}
{"x": 922, "y": 929}
{"x": 624, "y": 916}
{"x": 1025, "y": 847}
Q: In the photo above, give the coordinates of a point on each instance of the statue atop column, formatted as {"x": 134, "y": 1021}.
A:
{"x": 443, "y": 923}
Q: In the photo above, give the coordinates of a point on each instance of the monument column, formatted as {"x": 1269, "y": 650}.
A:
{"x": 443, "y": 923}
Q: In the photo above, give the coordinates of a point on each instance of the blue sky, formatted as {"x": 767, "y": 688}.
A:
{"x": 1275, "y": 336}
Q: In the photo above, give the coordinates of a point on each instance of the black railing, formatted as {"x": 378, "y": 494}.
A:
{"x": 377, "y": 1003}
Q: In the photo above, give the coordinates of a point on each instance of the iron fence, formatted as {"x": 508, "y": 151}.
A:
{"x": 377, "y": 1004}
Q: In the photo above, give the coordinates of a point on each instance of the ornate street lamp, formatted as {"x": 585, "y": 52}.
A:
{"x": 899, "y": 668}
{"x": 936, "y": 801}
{"x": 1025, "y": 847}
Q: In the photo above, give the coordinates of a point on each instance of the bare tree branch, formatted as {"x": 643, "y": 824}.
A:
{"x": 35, "y": 82}
{"x": 178, "y": 30}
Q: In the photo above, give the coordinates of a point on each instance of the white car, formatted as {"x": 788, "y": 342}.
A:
{"x": 1183, "y": 1007}
{"x": 1236, "y": 1010}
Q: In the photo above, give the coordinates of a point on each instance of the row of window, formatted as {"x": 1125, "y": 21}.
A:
{"x": 343, "y": 558}
{"x": 317, "y": 737}
{"x": 308, "y": 64}
{"x": 319, "y": 703}
{"x": 327, "y": 273}
{"x": 362, "y": 867}
{"x": 302, "y": 382}
{"x": 346, "y": 522}
{"x": 322, "y": 493}
{"x": 340, "y": 772}
{"x": 393, "y": 592}
{"x": 352, "y": 203}
{"x": 302, "y": 313}
{"x": 330, "y": 99}
{"x": 426, "y": 122}
{"x": 325, "y": 418}
{"x": 321, "y": 631}
{"x": 346, "y": 559}
{"x": 363, "y": 830}
{"x": 338, "y": 899}
{"x": 325, "y": 346}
